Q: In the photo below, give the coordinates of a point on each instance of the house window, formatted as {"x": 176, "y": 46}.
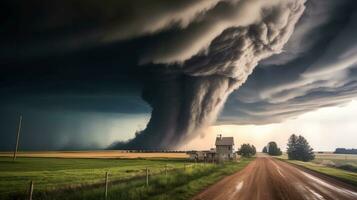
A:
{"x": 229, "y": 148}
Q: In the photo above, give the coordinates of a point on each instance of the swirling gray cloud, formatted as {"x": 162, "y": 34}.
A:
{"x": 320, "y": 74}
{"x": 216, "y": 54}
{"x": 185, "y": 57}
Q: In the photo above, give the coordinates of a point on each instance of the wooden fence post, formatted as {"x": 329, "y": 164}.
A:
{"x": 166, "y": 170}
{"x": 31, "y": 190}
{"x": 106, "y": 185}
{"x": 147, "y": 177}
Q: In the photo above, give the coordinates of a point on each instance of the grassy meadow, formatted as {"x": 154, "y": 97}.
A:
{"x": 324, "y": 158}
{"x": 95, "y": 154}
{"x": 80, "y": 178}
{"x": 331, "y": 165}
{"x": 335, "y": 159}
{"x": 343, "y": 175}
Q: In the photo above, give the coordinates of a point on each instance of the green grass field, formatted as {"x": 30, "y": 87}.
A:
{"x": 335, "y": 159}
{"x": 328, "y": 163}
{"x": 57, "y": 178}
{"x": 343, "y": 175}
{"x": 330, "y": 159}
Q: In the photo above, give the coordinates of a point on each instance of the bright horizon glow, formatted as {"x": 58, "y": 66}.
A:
{"x": 325, "y": 129}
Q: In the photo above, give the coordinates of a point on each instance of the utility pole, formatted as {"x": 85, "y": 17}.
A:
{"x": 106, "y": 186}
{"x": 147, "y": 177}
{"x": 17, "y": 138}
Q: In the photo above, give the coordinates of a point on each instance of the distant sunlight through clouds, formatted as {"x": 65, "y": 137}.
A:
{"x": 320, "y": 127}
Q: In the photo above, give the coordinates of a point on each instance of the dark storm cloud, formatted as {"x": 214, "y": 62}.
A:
{"x": 183, "y": 57}
{"x": 216, "y": 53}
{"x": 56, "y": 129}
{"x": 186, "y": 56}
{"x": 319, "y": 69}
{"x": 42, "y": 28}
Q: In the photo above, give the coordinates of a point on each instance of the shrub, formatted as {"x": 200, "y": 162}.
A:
{"x": 247, "y": 150}
{"x": 348, "y": 167}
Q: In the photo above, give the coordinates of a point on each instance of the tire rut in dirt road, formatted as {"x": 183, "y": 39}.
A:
{"x": 266, "y": 178}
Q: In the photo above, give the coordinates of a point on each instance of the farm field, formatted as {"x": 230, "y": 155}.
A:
{"x": 331, "y": 158}
{"x": 93, "y": 154}
{"x": 52, "y": 173}
{"x": 336, "y": 159}
{"x": 321, "y": 158}
{"x": 83, "y": 178}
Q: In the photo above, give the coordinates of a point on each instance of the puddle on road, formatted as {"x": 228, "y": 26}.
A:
{"x": 278, "y": 169}
{"x": 308, "y": 193}
{"x": 317, "y": 195}
{"x": 239, "y": 186}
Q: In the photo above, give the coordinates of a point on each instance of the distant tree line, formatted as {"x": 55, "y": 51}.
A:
{"x": 298, "y": 149}
{"x": 345, "y": 151}
{"x": 265, "y": 150}
{"x": 272, "y": 149}
{"x": 247, "y": 150}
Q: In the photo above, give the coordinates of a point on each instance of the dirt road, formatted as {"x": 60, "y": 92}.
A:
{"x": 267, "y": 178}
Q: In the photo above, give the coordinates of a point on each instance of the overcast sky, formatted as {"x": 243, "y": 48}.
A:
{"x": 326, "y": 129}
{"x": 88, "y": 74}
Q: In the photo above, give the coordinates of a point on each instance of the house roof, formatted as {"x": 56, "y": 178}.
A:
{"x": 224, "y": 141}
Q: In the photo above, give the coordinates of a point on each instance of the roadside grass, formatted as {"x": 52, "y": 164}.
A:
{"x": 346, "y": 162}
{"x": 64, "y": 178}
{"x": 343, "y": 175}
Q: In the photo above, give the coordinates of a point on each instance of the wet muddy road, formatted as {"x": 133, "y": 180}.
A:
{"x": 268, "y": 179}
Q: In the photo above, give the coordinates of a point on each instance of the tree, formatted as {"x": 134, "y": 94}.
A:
{"x": 299, "y": 149}
{"x": 254, "y": 150}
{"x": 265, "y": 150}
{"x": 273, "y": 149}
{"x": 291, "y": 150}
{"x": 247, "y": 150}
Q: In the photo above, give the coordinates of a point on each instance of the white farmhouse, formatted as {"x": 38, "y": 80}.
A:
{"x": 224, "y": 151}
{"x": 225, "y": 148}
